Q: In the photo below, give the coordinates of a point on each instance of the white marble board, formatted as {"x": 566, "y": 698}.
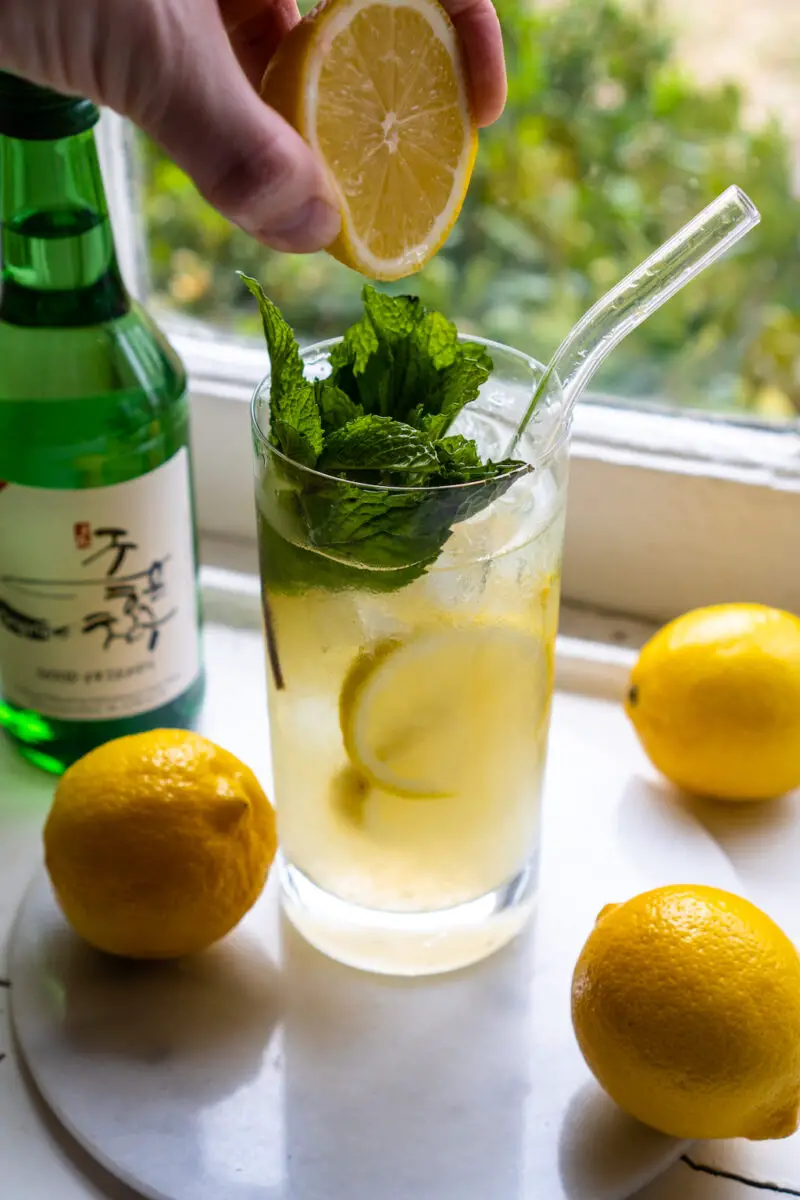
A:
{"x": 262, "y": 1071}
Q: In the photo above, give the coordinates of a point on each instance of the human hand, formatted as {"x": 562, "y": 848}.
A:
{"x": 186, "y": 71}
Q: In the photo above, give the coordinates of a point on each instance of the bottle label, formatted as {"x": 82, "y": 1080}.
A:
{"x": 98, "y": 610}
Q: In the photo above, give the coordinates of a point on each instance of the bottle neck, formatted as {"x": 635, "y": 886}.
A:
{"x": 59, "y": 266}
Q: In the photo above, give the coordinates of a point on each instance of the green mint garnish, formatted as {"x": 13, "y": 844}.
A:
{"x": 295, "y": 421}
{"x": 372, "y": 528}
{"x": 335, "y": 406}
{"x": 451, "y": 388}
{"x": 398, "y": 380}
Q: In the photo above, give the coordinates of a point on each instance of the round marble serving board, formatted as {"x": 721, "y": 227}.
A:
{"x": 263, "y": 1071}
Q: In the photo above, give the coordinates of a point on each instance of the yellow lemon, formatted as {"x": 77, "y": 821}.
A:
{"x": 715, "y": 700}
{"x": 379, "y": 90}
{"x": 686, "y": 1007}
{"x": 157, "y": 844}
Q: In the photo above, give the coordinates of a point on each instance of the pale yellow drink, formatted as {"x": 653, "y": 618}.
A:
{"x": 409, "y": 720}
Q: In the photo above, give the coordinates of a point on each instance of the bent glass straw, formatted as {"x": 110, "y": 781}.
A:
{"x": 696, "y": 246}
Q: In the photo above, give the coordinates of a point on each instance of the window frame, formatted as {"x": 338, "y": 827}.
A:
{"x": 667, "y": 511}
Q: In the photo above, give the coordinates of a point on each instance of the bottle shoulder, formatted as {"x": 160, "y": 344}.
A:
{"x": 51, "y": 364}
{"x": 90, "y": 406}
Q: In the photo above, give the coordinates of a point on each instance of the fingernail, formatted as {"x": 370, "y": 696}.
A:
{"x": 311, "y": 227}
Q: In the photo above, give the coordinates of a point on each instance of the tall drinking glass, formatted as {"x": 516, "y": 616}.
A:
{"x": 409, "y": 707}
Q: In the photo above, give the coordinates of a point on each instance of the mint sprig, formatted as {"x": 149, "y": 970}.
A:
{"x": 295, "y": 420}
{"x": 371, "y": 443}
{"x": 398, "y": 380}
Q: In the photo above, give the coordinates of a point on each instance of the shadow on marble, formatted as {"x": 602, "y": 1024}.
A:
{"x": 664, "y": 839}
{"x": 749, "y": 831}
{"x": 762, "y": 840}
{"x": 750, "y": 848}
{"x": 218, "y": 1009}
{"x": 602, "y": 1150}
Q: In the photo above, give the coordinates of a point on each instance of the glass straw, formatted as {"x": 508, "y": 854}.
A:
{"x": 696, "y": 246}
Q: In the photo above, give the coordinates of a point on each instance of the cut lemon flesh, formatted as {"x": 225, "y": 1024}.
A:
{"x": 444, "y": 712}
{"x": 378, "y": 88}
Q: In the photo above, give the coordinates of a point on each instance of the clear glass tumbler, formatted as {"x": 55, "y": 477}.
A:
{"x": 409, "y": 707}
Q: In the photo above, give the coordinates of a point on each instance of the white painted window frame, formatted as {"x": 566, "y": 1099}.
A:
{"x": 666, "y": 511}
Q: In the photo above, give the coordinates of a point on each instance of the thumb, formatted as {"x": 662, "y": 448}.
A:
{"x": 170, "y": 67}
{"x": 245, "y": 159}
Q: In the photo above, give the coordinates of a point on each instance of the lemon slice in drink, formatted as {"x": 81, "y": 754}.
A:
{"x": 379, "y": 90}
{"x": 440, "y": 713}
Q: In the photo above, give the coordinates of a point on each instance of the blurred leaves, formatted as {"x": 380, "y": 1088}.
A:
{"x": 606, "y": 148}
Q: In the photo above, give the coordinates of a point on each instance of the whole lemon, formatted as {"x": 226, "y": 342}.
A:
{"x": 157, "y": 844}
{"x": 686, "y": 1006}
{"x": 715, "y": 700}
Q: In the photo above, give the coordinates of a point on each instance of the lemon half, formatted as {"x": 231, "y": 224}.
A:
{"x": 380, "y": 92}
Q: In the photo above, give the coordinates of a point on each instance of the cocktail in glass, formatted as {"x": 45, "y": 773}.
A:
{"x": 409, "y": 707}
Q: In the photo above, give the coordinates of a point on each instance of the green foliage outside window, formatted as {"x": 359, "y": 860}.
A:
{"x": 605, "y": 149}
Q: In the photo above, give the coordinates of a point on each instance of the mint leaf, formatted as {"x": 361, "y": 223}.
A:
{"x": 286, "y": 367}
{"x": 457, "y": 455}
{"x": 362, "y": 368}
{"x": 460, "y": 462}
{"x": 460, "y": 383}
{"x": 469, "y": 501}
{"x": 359, "y": 342}
{"x": 417, "y": 346}
{"x": 380, "y": 363}
{"x": 293, "y": 570}
{"x": 294, "y": 420}
{"x": 421, "y": 361}
{"x": 361, "y": 365}
{"x": 371, "y": 527}
{"x": 295, "y": 424}
{"x": 457, "y": 385}
{"x": 375, "y": 443}
{"x": 295, "y": 427}
{"x": 335, "y": 406}
{"x": 434, "y": 425}
{"x": 404, "y": 362}
{"x": 393, "y": 318}
{"x": 436, "y": 341}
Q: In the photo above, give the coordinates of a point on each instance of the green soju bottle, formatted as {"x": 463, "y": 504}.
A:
{"x": 99, "y": 620}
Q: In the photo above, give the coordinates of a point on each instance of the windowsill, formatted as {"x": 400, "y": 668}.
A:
{"x": 611, "y": 828}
